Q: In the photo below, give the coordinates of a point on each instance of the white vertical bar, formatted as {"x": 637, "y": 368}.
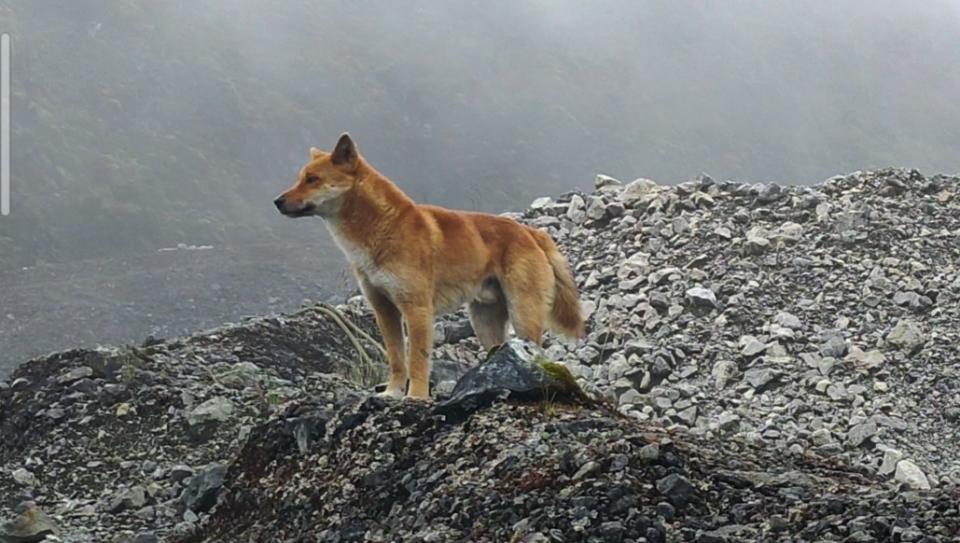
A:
{"x": 5, "y": 124}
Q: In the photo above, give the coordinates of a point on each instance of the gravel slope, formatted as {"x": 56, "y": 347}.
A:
{"x": 780, "y": 365}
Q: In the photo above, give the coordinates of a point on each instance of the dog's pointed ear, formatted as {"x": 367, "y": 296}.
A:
{"x": 345, "y": 153}
{"x": 315, "y": 153}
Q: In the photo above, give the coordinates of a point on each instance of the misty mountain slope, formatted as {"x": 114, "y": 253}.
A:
{"x": 780, "y": 362}
{"x": 165, "y": 293}
{"x": 140, "y": 124}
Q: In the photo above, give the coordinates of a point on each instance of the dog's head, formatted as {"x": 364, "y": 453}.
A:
{"x": 323, "y": 181}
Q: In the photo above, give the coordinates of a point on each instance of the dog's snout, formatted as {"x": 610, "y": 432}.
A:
{"x": 279, "y": 202}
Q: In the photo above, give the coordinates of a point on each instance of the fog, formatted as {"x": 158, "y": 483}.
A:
{"x": 138, "y": 126}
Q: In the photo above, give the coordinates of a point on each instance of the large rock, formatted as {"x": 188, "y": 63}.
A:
{"x": 891, "y": 457}
{"x": 907, "y": 335}
{"x": 861, "y": 433}
{"x": 834, "y": 345}
{"x": 596, "y": 208}
{"x": 788, "y": 320}
{"x": 202, "y": 489}
{"x": 24, "y": 477}
{"x": 28, "y": 526}
{"x": 751, "y": 346}
{"x": 517, "y": 369}
{"x": 603, "y": 181}
{"x": 702, "y": 297}
{"x": 217, "y": 409}
{"x": 636, "y": 190}
{"x": 724, "y": 371}
{"x": 134, "y": 497}
{"x": 677, "y": 489}
{"x": 577, "y": 211}
{"x": 761, "y": 378}
{"x": 911, "y": 475}
{"x": 75, "y": 374}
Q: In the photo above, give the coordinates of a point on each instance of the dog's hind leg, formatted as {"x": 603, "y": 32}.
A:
{"x": 489, "y": 321}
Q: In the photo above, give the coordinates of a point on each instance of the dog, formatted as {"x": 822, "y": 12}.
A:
{"x": 415, "y": 261}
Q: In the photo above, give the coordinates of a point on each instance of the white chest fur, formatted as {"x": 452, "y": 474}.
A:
{"x": 359, "y": 258}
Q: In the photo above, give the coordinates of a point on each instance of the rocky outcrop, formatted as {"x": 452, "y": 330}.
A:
{"x": 386, "y": 471}
{"x": 125, "y": 442}
{"x": 814, "y": 320}
{"x": 764, "y": 363}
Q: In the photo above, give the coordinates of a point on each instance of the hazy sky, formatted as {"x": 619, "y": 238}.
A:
{"x": 142, "y": 123}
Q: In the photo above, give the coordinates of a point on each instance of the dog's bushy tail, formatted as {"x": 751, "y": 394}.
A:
{"x": 565, "y": 316}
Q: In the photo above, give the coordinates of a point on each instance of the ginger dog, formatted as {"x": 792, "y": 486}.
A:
{"x": 414, "y": 261}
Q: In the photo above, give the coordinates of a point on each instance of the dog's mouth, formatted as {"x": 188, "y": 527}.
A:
{"x": 308, "y": 210}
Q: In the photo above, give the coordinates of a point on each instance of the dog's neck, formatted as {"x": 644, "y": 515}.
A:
{"x": 369, "y": 210}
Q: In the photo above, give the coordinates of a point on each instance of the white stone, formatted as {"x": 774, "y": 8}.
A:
{"x": 215, "y": 409}
{"x": 637, "y": 189}
{"x": 909, "y": 474}
{"x": 890, "y": 459}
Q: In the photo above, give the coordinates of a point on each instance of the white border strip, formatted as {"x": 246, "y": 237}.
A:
{"x": 5, "y": 124}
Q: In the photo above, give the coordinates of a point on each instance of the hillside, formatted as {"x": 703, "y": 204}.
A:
{"x": 140, "y": 125}
{"x": 778, "y": 364}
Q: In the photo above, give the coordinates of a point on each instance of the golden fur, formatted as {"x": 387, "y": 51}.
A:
{"x": 414, "y": 261}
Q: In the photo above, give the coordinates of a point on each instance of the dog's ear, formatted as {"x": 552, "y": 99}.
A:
{"x": 315, "y": 153}
{"x": 345, "y": 153}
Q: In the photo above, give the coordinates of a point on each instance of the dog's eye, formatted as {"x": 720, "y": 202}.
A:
{"x": 312, "y": 179}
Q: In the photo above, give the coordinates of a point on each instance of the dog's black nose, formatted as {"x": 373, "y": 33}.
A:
{"x": 279, "y": 203}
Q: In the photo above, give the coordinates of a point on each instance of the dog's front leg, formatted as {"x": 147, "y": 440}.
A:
{"x": 419, "y": 319}
{"x": 390, "y": 322}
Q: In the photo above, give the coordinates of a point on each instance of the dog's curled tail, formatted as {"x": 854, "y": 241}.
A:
{"x": 565, "y": 316}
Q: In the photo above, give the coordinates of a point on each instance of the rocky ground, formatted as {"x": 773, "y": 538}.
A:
{"x": 777, "y": 363}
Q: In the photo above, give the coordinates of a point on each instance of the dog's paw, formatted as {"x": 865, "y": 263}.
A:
{"x": 418, "y": 399}
{"x": 390, "y": 394}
